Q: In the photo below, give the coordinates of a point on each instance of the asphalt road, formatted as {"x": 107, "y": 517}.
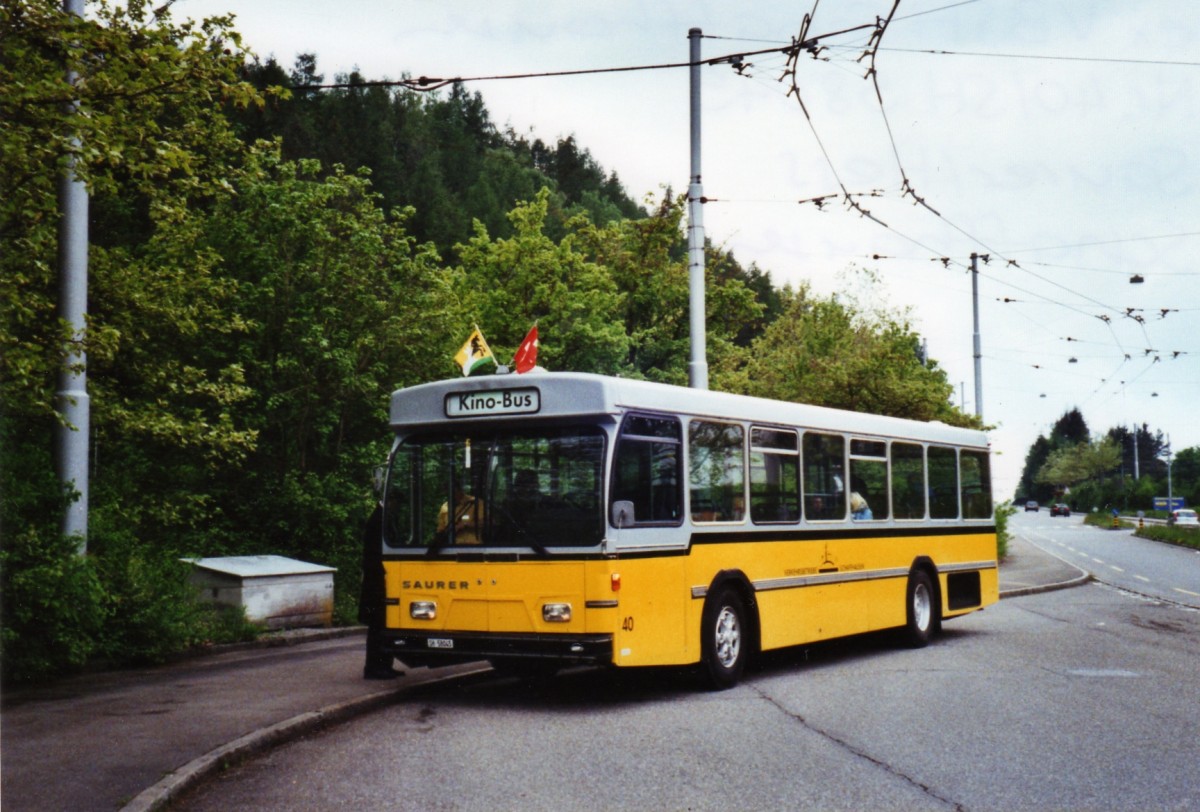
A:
{"x": 1079, "y": 699}
{"x": 1117, "y": 557}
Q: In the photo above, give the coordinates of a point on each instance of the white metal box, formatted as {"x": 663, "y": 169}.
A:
{"x": 274, "y": 591}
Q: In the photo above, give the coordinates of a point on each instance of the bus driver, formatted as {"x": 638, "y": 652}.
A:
{"x": 468, "y": 518}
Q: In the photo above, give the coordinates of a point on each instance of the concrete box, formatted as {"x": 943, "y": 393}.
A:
{"x": 276, "y": 592}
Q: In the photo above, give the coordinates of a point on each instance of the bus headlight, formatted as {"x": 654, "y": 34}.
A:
{"x": 422, "y": 610}
{"x": 556, "y": 612}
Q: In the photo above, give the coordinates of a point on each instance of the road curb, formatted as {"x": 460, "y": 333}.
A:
{"x": 178, "y": 781}
{"x": 1080, "y": 580}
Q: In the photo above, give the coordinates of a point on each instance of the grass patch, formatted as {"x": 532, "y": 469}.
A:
{"x": 1184, "y": 537}
{"x": 1100, "y": 519}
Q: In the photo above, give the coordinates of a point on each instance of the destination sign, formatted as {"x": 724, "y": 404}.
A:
{"x": 488, "y": 404}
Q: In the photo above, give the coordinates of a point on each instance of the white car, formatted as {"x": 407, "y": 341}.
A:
{"x": 1184, "y": 518}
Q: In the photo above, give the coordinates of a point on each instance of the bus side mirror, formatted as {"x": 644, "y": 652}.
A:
{"x": 622, "y": 513}
{"x": 378, "y": 477}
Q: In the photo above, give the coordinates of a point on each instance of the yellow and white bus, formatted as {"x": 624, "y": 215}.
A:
{"x": 549, "y": 519}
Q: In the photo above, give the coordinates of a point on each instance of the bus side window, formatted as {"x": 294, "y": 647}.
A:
{"x": 646, "y": 472}
{"x": 908, "y": 481}
{"x": 976, "y": 485}
{"x": 943, "y": 483}
{"x": 824, "y": 476}
{"x": 868, "y": 480}
{"x": 774, "y": 476}
{"x": 716, "y": 466}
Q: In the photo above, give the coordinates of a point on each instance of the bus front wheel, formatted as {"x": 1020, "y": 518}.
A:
{"x": 724, "y": 642}
{"x": 921, "y": 610}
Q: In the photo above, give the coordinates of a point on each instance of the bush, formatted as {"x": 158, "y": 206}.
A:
{"x": 1003, "y": 513}
{"x": 1184, "y": 537}
{"x": 153, "y": 611}
{"x": 1099, "y": 519}
{"x": 52, "y": 600}
{"x": 54, "y": 606}
{"x": 218, "y": 623}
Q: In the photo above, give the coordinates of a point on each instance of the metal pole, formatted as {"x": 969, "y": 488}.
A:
{"x": 71, "y": 399}
{"x": 978, "y": 353}
{"x": 1170, "y": 492}
{"x": 1136, "y": 473}
{"x": 698, "y": 362}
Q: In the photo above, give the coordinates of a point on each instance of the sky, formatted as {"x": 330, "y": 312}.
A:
{"x": 1057, "y": 137}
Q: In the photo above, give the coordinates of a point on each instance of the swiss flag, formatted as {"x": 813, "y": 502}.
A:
{"x": 526, "y": 357}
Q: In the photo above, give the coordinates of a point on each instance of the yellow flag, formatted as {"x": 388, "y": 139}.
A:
{"x": 474, "y": 353}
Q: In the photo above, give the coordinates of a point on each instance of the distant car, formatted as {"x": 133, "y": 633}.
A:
{"x": 1060, "y": 509}
{"x": 1031, "y": 505}
{"x": 1184, "y": 518}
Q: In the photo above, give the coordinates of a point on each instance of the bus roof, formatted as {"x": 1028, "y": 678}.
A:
{"x": 557, "y": 396}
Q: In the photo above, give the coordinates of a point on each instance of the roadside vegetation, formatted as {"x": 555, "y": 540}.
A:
{"x": 267, "y": 262}
{"x": 1181, "y": 536}
{"x": 1099, "y": 472}
{"x": 1004, "y": 512}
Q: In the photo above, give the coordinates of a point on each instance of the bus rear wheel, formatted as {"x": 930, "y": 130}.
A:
{"x": 724, "y": 643}
{"x": 921, "y": 610}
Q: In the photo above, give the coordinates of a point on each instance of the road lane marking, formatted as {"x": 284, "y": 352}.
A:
{"x": 1098, "y": 560}
{"x": 1142, "y": 578}
{"x": 1115, "y": 567}
{"x": 1187, "y": 592}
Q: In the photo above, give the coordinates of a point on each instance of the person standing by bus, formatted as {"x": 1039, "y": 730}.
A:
{"x": 379, "y": 663}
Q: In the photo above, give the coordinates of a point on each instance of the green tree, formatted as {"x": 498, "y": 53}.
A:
{"x": 1081, "y": 462}
{"x": 1035, "y": 458}
{"x": 149, "y": 129}
{"x": 645, "y": 259}
{"x": 824, "y": 352}
{"x": 1152, "y": 449}
{"x": 1071, "y": 429}
{"x": 151, "y": 142}
{"x": 1185, "y": 474}
{"x": 505, "y": 285}
{"x": 341, "y": 307}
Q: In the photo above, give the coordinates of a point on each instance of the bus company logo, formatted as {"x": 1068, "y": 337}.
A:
{"x": 506, "y": 401}
{"x": 435, "y": 585}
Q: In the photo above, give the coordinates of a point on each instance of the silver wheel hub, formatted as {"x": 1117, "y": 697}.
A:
{"x": 922, "y": 606}
{"x": 728, "y": 637}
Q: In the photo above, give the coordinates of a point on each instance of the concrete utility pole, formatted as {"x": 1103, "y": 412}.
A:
{"x": 978, "y": 353}
{"x": 1170, "y": 491}
{"x": 71, "y": 399}
{"x": 1136, "y": 473}
{"x": 698, "y": 361}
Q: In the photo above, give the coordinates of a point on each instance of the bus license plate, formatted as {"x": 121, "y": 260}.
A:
{"x": 440, "y": 642}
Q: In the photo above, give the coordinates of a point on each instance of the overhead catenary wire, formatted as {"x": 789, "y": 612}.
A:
{"x": 857, "y": 201}
{"x": 870, "y": 54}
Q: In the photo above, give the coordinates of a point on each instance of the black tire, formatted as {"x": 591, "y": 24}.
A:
{"x": 725, "y": 641}
{"x": 922, "y": 613}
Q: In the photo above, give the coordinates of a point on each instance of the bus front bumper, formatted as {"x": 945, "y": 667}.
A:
{"x": 444, "y": 648}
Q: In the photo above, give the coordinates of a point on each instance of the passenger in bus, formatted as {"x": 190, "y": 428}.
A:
{"x": 468, "y": 518}
{"x": 860, "y": 511}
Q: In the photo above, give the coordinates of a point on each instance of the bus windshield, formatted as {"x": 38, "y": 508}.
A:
{"x": 535, "y": 489}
